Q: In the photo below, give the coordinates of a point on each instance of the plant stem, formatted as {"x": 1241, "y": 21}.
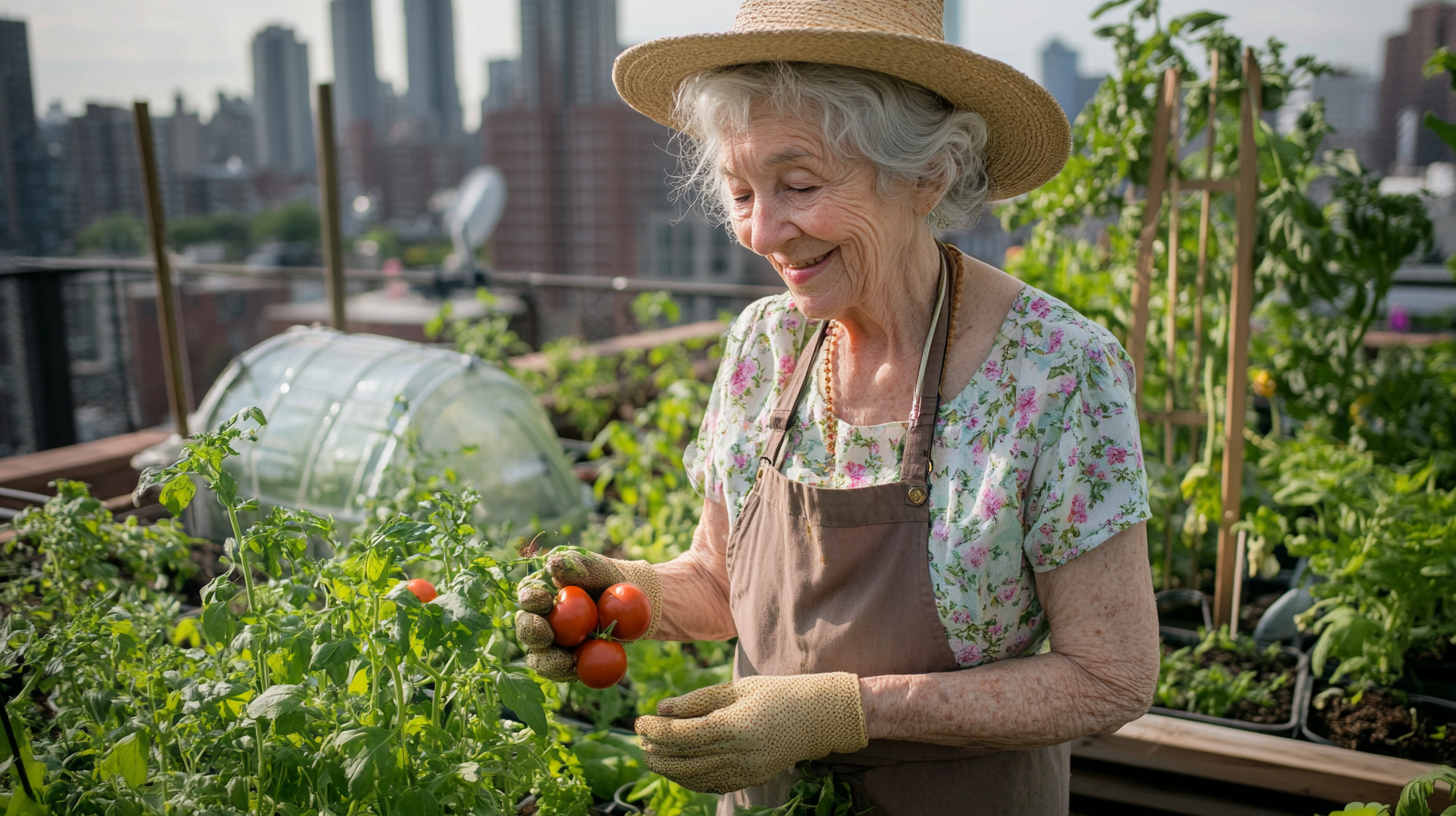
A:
{"x": 259, "y": 652}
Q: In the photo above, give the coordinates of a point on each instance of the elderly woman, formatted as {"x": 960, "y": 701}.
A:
{"x": 924, "y": 499}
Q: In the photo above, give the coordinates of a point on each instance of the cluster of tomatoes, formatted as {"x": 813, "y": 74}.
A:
{"x": 597, "y": 629}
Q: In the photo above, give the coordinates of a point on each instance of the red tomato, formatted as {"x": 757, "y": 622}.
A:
{"x": 627, "y": 606}
{"x": 573, "y": 617}
{"x": 601, "y": 663}
{"x": 424, "y": 590}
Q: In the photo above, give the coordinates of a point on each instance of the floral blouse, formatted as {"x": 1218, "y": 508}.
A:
{"x": 1037, "y": 461}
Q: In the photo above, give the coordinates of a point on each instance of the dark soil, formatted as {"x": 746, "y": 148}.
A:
{"x": 1251, "y": 612}
{"x": 1381, "y": 724}
{"x": 1267, "y": 669}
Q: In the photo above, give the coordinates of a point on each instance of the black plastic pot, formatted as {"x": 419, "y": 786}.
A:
{"x": 1181, "y": 638}
{"x": 1430, "y": 678}
{"x": 1416, "y": 699}
{"x": 1183, "y": 610}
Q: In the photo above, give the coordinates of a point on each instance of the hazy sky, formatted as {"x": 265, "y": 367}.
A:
{"x": 118, "y": 50}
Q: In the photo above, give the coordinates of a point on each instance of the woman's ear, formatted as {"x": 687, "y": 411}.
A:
{"x": 929, "y": 189}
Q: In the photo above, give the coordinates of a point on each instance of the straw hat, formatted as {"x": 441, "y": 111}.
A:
{"x": 1028, "y": 135}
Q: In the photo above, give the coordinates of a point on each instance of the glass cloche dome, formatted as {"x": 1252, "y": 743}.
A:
{"x": 339, "y": 405}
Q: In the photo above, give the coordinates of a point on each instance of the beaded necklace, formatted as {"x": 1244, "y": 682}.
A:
{"x": 831, "y": 425}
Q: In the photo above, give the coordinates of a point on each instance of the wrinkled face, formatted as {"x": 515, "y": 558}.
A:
{"x": 820, "y": 221}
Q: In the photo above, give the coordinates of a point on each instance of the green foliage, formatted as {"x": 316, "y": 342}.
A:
{"x": 301, "y": 691}
{"x": 297, "y": 222}
{"x": 379, "y": 242}
{"x": 1384, "y": 541}
{"x": 1414, "y": 798}
{"x": 490, "y": 338}
{"x": 432, "y": 253}
{"x": 120, "y": 235}
{"x": 1190, "y": 680}
{"x": 232, "y": 230}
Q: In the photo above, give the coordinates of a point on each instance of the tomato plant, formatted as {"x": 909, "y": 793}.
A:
{"x": 601, "y": 663}
{"x": 624, "y": 611}
{"x": 572, "y": 617}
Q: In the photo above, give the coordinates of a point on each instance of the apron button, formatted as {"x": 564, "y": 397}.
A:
{"x": 760, "y": 472}
{"x": 917, "y": 495}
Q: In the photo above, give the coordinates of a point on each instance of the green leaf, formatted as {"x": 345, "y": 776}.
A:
{"x": 217, "y": 623}
{"x": 331, "y": 654}
{"x": 128, "y": 760}
{"x": 277, "y": 700}
{"x": 417, "y": 802}
{"x": 178, "y": 493}
{"x": 372, "y": 762}
{"x": 1442, "y": 128}
{"x": 523, "y": 696}
{"x": 458, "y": 610}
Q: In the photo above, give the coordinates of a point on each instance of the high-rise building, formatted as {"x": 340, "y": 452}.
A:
{"x": 282, "y": 115}
{"x": 101, "y": 168}
{"x": 1402, "y": 144}
{"x": 1063, "y": 78}
{"x": 433, "y": 95}
{"x": 951, "y": 22}
{"x": 357, "y": 121}
{"x": 587, "y": 176}
{"x": 1352, "y": 109}
{"x": 31, "y": 210}
{"x": 356, "y": 79}
{"x": 230, "y": 134}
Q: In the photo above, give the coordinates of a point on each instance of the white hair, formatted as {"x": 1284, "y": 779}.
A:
{"x": 914, "y": 138}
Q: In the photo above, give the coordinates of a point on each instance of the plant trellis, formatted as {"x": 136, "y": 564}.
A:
{"x": 1165, "y": 179}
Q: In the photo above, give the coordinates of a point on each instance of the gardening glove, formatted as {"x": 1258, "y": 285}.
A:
{"x": 573, "y": 566}
{"x": 735, "y": 735}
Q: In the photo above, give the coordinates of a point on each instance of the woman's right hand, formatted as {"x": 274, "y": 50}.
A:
{"x": 572, "y": 566}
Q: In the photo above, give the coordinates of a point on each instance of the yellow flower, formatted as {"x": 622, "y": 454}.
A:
{"x": 1357, "y": 408}
{"x": 1264, "y": 384}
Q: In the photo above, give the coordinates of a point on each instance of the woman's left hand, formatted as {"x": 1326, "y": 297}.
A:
{"x": 735, "y": 735}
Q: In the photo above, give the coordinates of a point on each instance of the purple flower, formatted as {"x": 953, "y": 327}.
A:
{"x": 1041, "y": 307}
{"x": 975, "y": 556}
{"x": 1008, "y": 594}
{"x": 740, "y": 460}
{"x": 1079, "y": 510}
{"x": 1116, "y": 455}
{"x": 1026, "y": 407}
{"x": 1021, "y": 641}
{"x": 742, "y": 375}
{"x": 858, "y": 474}
{"x": 961, "y": 617}
{"x": 786, "y": 369}
{"x": 1046, "y": 530}
{"x": 995, "y": 630}
{"x": 1072, "y": 457}
{"x": 993, "y": 369}
{"x": 970, "y": 654}
{"x": 1069, "y": 384}
{"x": 1055, "y": 344}
{"x": 940, "y": 529}
{"x": 991, "y": 502}
{"x": 1399, "y": 319}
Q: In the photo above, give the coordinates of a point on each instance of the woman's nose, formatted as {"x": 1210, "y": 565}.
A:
{"x": 769, "y": 226}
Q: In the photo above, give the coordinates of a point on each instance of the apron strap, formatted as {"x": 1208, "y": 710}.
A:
{"x": 915, "y": 460}
{"x": 783, "y": 411}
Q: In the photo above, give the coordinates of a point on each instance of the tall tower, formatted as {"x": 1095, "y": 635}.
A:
{"x": 282, "y": 116}
{"x": 433, "y": 95}
{"x": 1406, "y": 94}
{"x": 31, "y": 209}
{"x": 567, "y": 49}
{"x": 356, "y": 80}
{"x": 1059, "y": 76}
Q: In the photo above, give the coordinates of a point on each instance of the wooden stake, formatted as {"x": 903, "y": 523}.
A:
{"x": 1137, "y": 340}
{"x": 1170, "y": 316}
{"x": 1236, "y": 384}
{"x": 1203, "y": 218}
{"x": 328, "y": 176}
{"x": 174, "y": 350}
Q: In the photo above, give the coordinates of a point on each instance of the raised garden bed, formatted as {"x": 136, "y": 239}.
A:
{"x": 1381, "y": 721}
{"x": 1231, "y": 682}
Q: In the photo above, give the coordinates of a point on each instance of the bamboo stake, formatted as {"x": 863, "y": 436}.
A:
{"x": 174, "y": 350}
{"x": 1170, "y": 316}
{"x": 1236, "y": 385}
{"x": 1203, "y": 219}
{"x": 328, "y": 176}
{"x": 1137, "y": 340}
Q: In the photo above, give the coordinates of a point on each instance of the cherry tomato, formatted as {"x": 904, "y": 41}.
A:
{"x": 627, "y": 606}
{"x": 573, "y": 616}
{"x": 601, "y": 663}
{"x": 424, "y": 590}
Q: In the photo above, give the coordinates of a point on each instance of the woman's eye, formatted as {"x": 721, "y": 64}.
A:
{"x": 802, "y": 189}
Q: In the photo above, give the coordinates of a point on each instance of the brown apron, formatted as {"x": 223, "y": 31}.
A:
{"x": 826, "y": 580}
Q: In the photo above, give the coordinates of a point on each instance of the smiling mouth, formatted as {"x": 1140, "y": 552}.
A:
{"x": 812, "y": 262}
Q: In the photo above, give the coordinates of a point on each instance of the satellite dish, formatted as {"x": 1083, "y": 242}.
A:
{"x": 475, "y": 212}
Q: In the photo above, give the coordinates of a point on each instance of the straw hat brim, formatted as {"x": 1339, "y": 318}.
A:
{"x": 1028, "y": 136}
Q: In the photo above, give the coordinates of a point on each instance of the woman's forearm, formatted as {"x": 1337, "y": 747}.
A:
{"x": 1012, "y": 705}
{"x": 695, "y": 584}
{"x": 1100, "y": 673}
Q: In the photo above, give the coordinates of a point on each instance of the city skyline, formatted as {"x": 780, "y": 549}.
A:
{"x": 154, "y": 48}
